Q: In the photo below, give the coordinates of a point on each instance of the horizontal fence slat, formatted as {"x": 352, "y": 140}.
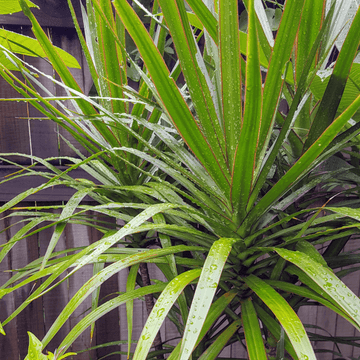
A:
{"x": 10, "y": 189}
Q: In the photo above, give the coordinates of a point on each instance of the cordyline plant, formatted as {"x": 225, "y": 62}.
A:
{"x": 212, "y": 166}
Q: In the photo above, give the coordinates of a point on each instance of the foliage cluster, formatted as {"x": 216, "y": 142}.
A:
{"x": 201, "y": 162}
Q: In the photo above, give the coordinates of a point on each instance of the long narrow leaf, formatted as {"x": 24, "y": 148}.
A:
{"x": 113, "y": 64}
{"x": 160, "y": 311}
{"x": 63, "y": 71}
{"x": 106, "y": 308}
{"x": 196, "y": 76}
{"x": 302, "y": 84}
{"x": 246, "y": 148}
{"x": 171, "y": 98}
{"x": 306, "y": 162}
{"x": 229, "y": 54}
{"x": 215, "y": 348}
{"x": 327, "y": 280}
{"x": 209, "y": 22}
{"x": 253, "y": 337}
{"x": 102, "y": 276}
{"x": 130, "y": 286}
{"x": 2, "y": 330}
{"x": 275, "y": 329}
{"x": 281, "y": 53}
{"x": 286, "y": 316}
{"x": 332, "y": 96}
{"x": 215, "y": 311}
{"x": 67, "y": 211}
{"x": 85, "y": 46}
{"x": 309, "y": 294}
{"x": 204, "y": 294}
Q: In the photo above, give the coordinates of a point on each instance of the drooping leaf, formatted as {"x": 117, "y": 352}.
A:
{"x": 130, "y": 285}
{"x": 215, "y": 311}
{"x": 327, "y": 280}
{"x": 215, "y": 348}
{"x": 68, "y": 210}
{"x": 308, "y": 293}
{"x": 275, "y": 329}
{"x": 345, "y": 211}
{"x": 25, "y": 45}
{"x": 286, "y": 316}
{"x": 310, "y": 250}
{"x": 253, "y": 336}
{"x": 106, "y": 308}
{"x": 204, "y": 294}
{"x": 99, "y": 278}
{"x": 160, "y": 310}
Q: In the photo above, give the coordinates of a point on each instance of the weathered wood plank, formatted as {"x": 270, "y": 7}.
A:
{"x": 10, "y": 189}
{"x": 31, "y": 318}
{"x": 14, "y": 130}
{"x": 55, "y": 300}
{"x": 9, "y": 348}
{"x": 20, "y": 128}
{"x": 108, "y": 327}
{"x": 77, "y": 235}
{"x": 67, "y": 40}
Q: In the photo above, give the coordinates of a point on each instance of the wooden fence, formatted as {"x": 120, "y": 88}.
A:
{"x": 40, "y": 138}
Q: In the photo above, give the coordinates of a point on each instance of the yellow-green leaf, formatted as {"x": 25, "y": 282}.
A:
{"x": 25, "y": 45}
{"x": 8, "y": 7}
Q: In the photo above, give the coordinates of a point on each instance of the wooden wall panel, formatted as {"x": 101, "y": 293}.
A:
{"x": 55, "y": 300}
{"x": 31, "y": 318}
{"x": 29, "y": 136}
{"x": 14, "y": 131}
{"x": 67, "y": 39}
{"x": 77, "y": 235}
{"x": 24, "y": 129}
{"x": 9, "y": 347}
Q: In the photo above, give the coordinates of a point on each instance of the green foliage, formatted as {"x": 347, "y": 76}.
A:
{"x": 25, "y": 45}
{"x": 35, "y": 353}
{"x": 212, "y": 168}
{"x": 13, "y": 6}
